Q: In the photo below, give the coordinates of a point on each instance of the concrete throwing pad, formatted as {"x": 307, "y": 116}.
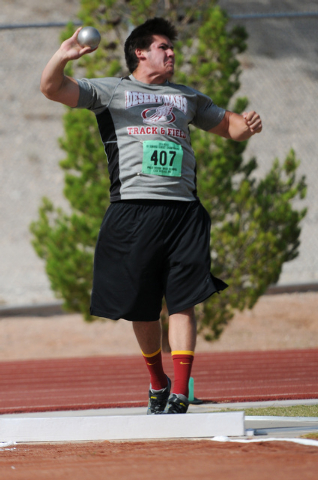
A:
{"x": 59, "y": 429}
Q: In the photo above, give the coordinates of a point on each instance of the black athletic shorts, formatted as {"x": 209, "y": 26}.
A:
{"x": 147, "y": 249}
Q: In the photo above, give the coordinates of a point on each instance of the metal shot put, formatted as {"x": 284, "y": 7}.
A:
{"x": 89, "y": 37}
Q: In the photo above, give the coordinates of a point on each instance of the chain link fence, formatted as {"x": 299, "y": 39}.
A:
{"x": 279, "y": 76}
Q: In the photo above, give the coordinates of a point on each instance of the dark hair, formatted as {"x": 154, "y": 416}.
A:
{"x": 142, "y": 37}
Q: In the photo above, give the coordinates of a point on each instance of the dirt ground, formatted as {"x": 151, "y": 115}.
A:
{"x": 277, "y": 322}
{"x": 184, "y": 459}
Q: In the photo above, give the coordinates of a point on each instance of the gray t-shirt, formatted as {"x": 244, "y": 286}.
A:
{"x": 145, "y": 131}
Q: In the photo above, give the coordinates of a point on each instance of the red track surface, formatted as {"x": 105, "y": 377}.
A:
{"x": 97, "y": 382}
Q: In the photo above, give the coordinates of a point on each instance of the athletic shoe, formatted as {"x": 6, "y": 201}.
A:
{"x": 177, "y": 403}
{"x": 158, "y": 399}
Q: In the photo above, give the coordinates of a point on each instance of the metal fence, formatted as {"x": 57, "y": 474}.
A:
{"x": 279, "y": 76}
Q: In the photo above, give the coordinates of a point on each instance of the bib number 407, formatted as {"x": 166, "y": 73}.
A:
{"x": 164, "y": 157}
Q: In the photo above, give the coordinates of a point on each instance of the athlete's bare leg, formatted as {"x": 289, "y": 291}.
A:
{"x": 148, "y": 335}
{"x": 183, "y": 331}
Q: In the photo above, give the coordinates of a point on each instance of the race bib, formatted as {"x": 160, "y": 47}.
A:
{"x": 162, "y": 158}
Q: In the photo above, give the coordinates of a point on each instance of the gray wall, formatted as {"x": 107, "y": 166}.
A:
{"x": 280, "y": 73}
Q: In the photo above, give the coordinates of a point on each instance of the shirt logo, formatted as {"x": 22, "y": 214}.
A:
{"x": 159, "y": 115}
{"x": 162, "y": 112}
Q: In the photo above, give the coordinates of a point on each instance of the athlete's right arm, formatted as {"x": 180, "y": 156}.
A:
{"x": 55, "y": 85}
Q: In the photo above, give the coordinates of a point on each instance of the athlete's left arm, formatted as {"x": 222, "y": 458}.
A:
{"x": 238, "y": 127}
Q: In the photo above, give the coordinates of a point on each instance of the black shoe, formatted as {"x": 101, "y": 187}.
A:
{"x": 177, "y": 403}
{"x": 158, "y": 399}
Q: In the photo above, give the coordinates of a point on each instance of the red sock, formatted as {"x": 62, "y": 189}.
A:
{"x": 182, "y": 364}
{"x": 158, "y": 377}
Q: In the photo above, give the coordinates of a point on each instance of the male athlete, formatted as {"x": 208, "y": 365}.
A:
{"x": 155, "y": 237}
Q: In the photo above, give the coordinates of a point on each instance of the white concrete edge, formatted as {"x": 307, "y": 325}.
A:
{"x": 59, "y": 429}
{"x": 281, "y": 419}
{"x": 7, "y": 444}
{"x": 302, "y": 441}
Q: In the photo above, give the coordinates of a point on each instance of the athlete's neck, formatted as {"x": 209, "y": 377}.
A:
{"x": 150, "y": 79}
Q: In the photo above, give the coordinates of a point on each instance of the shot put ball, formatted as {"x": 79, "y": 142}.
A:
{"x": 89, "y": 37}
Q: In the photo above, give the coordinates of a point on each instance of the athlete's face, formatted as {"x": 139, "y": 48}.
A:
{"x": 159, "y": 59}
